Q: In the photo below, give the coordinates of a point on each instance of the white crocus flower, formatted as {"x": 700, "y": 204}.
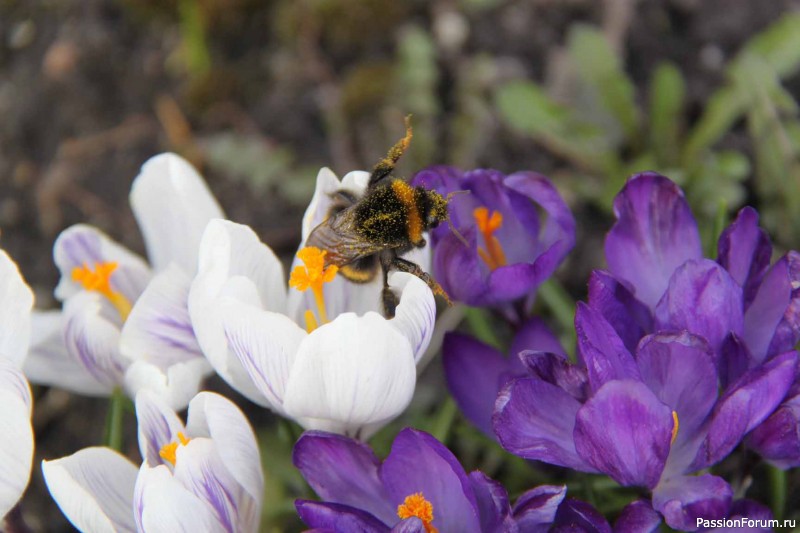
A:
{"x": 202, "y": 476}
{"x": 349, "y": 372}
{"x": 16, "y": 447}
{"x": 124, "y": 322}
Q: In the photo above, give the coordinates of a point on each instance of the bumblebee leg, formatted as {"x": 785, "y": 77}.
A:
{"x": 403, "y": 265}
{"x": 388, "y": 297}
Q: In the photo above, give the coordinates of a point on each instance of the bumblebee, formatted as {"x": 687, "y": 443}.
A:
{"x": 369, "y": 234}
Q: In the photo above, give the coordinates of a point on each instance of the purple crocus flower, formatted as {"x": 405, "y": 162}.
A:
{"x": 746, "y": 309}
{"x": 421, "y": 487}
{"x": 476, "y": 372}
{"x": 649, "y": 420}
{"x": 512, "y": 248}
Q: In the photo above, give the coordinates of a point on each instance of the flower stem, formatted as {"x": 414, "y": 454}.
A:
{"x": 556, "y": 298}
{"x": 116, "y": 409}
{"x": 777, "y": 481}
{"x": 480, "y": 323}
{"x": 444, "y": 420}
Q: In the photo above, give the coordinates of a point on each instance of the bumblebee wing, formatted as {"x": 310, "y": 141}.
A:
{"x": 339, "y": 236}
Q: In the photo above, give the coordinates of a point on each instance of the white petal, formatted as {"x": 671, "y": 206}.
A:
{"x": 415, "y": 315}
{"x": 163, "y": 505}
{"x": 172, "y": 205}
{"x": 212, "y": 415}
{"x": 353, "y": 372}
{"x": 158, "y": 329}
{"x": 265, "y": 345}
{"x": 92, "y": 338}
{"x": 81, "y": 245}
{"x": 94, "y": 489}
{"x": 317, "y": 210}
{"x": 16, "y": 301}
{"x": 48, "y": 362}
{"x": 16, "y": 449}
{"x": 199, "y": 467}
{"x": 158, "y": 426}
{"x": 233, "y": 264}
{"x": 176, "y": 385}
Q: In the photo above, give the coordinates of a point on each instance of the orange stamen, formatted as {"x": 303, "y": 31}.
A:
{"x": 169, "y": 452}
{"x": 675, "y": 426}
{"x": 99, "y": 280}
{"x": 416, "y": 505}
{"x": 488, "y": 223}
{"x": 313, "y": 275}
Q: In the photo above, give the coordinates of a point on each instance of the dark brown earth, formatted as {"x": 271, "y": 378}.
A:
{"x": 89, "y": 89}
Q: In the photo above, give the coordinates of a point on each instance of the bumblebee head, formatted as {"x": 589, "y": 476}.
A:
{"x": 435, "y": 209}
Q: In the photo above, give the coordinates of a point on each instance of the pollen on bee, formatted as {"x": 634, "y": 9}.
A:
{"x": 99, "y": 280}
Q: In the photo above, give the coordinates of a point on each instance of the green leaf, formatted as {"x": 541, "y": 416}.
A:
{"x": 778, "y": 45}
{"x": 526, "y": 107}
{"x": 723, "y": 109}
{"x": 667, "y": 94}
{"x": 601, "y": 70}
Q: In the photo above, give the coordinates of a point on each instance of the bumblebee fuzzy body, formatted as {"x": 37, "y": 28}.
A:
{"x": 368, "y": 234}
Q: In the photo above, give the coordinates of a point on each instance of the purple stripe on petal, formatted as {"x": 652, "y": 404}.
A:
{"x": 638, "y": 517}
{"x": 158, "y": 426}
{"x": 338, "y": 518}
{"x": 704, "y": 299}
{"x": 767, "y": 310}
{"x": 777, "y": 439}
{"x": 475, "y": 374}
{"x": 575, "y": 515}
{"x": 625, "y": 431}
{"x": 535, "y": 420}
{"x": 556, "y": 370}
{"x": 344, "y": 471}
{"x": 492, "y": 501}
{"x": 745, "y": 250}
{"x": 628, "y": 316}
{"x": 684, "y": 499}
{"x": 420, "y": 463}
{"x": 536, "y": 509}
{"x": 655, "y": 233}
{"x": 601, "y": 349}
{"x": 744, "y": 405}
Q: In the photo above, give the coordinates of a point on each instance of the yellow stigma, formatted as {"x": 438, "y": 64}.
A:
{"x": 169, "y": 452}
{"x": 675, "y": 425}
{"x": 417, "y": 505}
{"x": 313, "y": 275}
{"x": 488, "y": 223}
{"x": 99, "y": 280}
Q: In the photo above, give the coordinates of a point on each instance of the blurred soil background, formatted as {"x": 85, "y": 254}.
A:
{"x": 260, "y": 95}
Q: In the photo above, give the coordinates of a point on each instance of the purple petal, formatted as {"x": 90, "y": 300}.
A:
{"x": 767, "y": 310}
{"x": 557, "y": 237}
{"x": 575, "y": 515}
{"x": 601, "y": 349}
{"x": 535, "y": 420}
{"x": 744, "y": 250}
{"x": 343, "y": 471}
{"x": 751, "y": 511}
{"x": 679, "y": 369}
{"x": 631, "y": 319}
{"x": 458, "y": 268}
{"x": 556, "y": 370}
{"x": 637, "y": 517}
{"x": 625, "y": 431}
{"x": 410, "y": 525}
{"x": 704, "y": 299}
{"x": 655, "y": 233}
{"x": 684, "y": 499}
{"x": 418, "y": 463}
{"x": 787, "y": 334}
{"x": 535, "y": 335}
{"x": 744, "y": 405}
{"x": 734, "y": 360}
{"x": 492, "y": 501}
{"x": 337, "y": 518}
{"x": 475, "y": 374}
{"x": 777, "y": 439}
{"x": 536, "y": 509}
